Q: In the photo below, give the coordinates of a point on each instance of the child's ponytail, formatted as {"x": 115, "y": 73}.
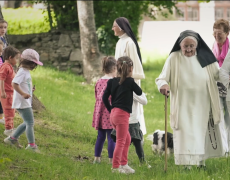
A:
{"x": 124, "y": 65}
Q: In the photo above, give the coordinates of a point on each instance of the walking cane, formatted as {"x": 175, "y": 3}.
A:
{"x": 166, "y": 142}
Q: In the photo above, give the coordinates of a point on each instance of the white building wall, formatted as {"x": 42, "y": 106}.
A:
{"x": 158, "y": 37}
{"x": 207, "y": 11}
{"x": 2, "y": 3}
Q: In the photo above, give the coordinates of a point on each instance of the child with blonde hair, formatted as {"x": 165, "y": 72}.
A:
{"x": 101, "y": 120}
{"x": 22, "y": 99}
{"x": 121, "y": 90}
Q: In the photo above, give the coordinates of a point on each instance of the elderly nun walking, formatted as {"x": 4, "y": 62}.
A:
{"x": 192, "y": 71}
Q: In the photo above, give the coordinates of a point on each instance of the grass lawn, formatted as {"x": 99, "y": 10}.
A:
{"x": 66, "y": 138}
{"x": 26, "y": 20}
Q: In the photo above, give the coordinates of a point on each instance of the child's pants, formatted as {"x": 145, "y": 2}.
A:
{"x": 8, "y": 111}
{"x": 100, "y": 142}
{"x": 139, "y": 149}
{"x": 120, "y": 121}
{"x": 27, "y": 125}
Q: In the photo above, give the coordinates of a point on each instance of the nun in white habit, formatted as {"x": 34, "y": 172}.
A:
{"x": 128, "y": 46}
{"x": 192, "y": 71}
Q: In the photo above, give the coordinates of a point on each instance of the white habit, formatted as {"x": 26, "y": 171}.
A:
{"x": 224, "y": 78}
{"x": 193, "y": 95}
{"x": 126, "y": 47}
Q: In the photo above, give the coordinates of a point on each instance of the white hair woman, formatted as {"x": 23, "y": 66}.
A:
{"x": 220, "y": 49}
{"x": 192, "y": 71}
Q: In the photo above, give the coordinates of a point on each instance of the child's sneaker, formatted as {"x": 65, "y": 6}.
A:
{"x": 33, "y": 148}
{"x": 148, "y": 165}
{"x": 12, "y": 142}
{"x": 8, "y": 132}
{"x": 128, "y": 169}
{"x": 2, "y": 121}
{"x": 118, "y": 170}
{"x": 145, "y": 163}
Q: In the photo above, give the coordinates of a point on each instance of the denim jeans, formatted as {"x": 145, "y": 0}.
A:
{"x": 27, "y": 125}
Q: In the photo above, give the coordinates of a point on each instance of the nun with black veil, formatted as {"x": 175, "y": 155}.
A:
{"x": 127, "y": 45}
{"x": 190, "y": 74}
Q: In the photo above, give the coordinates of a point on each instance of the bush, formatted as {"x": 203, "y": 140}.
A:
{"x": 26, "y": 20}
{"x": 105, "y": 14}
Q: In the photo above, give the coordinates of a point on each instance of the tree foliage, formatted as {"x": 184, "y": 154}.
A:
{"x": 32, "y": 22}
{"x": 105, "y": 14}
{"x": 65, "y": 14}
{"x": 158, "y": 7}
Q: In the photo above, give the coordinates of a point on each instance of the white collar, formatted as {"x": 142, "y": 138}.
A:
{"x": 106, "y": 77}
{"x": 123, "y": 36}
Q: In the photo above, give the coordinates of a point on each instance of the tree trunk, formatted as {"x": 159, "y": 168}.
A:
{"x": 49, "y": 15}
{"x": 10, "y": 4}
{"x": 1, "y": 16}
{"x": 89, "y": 43}
{"x": 17, "y": 4}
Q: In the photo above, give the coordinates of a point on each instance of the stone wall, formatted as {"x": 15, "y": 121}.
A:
{"x": 58, "y": 49}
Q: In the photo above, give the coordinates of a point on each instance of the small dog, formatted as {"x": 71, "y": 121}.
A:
{"x": 158, "y": 145}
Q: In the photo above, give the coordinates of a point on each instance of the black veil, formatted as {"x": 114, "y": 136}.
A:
{"x": 123, "y": 23}
{"x": 204, "y": 53}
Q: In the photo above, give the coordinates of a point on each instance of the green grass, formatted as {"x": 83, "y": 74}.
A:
{"x": 152, "y": 55}
{"x": 26, "y": 20}
{"x": 66, "y": 138}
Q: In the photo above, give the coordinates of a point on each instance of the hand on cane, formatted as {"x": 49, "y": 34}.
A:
{"x": 165, "y": 90}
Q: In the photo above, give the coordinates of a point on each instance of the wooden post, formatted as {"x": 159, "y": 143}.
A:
{"x": 89, "y": 43}
{"x": 49, "y": 15}
{"x": 166, "y": 142}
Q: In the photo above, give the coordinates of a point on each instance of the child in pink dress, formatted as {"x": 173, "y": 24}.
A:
{"x": 101, "y": 120}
